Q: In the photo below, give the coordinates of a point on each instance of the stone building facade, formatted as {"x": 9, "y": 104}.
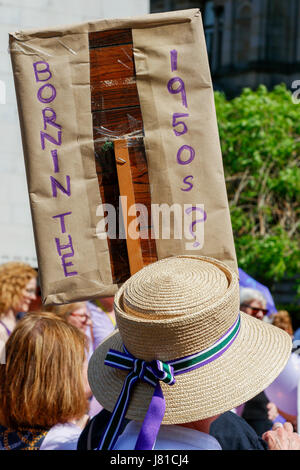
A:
{"x": 249, "y": 42}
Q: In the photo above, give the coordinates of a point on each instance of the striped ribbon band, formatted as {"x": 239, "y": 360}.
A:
{"x": 152, "y": 373}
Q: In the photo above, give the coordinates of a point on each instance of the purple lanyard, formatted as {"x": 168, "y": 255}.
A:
{"x": 7, "y": 330}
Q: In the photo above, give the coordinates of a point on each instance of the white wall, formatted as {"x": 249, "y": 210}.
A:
{"x": 16, "y": 236}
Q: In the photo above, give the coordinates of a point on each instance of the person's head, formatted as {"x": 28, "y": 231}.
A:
{"x": 253, "y": 302}
{"x": 76, "y": 313}
{"x": 282, "y": 319}
{"x": 179, "y": 326}
{"x": 42, "y": 382}
{"x": 17, "y": 287}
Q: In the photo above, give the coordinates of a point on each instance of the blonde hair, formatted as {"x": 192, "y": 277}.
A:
{"x": 42, "y": 382}
{"x": 282, "y": 320}
{"x": 14, "y": 277}
{"x": 64, "y": 311}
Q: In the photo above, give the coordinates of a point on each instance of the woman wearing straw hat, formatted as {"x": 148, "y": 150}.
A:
{"x": 182, "y": 355}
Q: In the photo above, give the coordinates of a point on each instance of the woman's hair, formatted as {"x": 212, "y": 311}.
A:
{"x": 65, "y": 310}
{"x": 14, "y": 277}
{"x": 282, "y": 320}
{"x": 247, "y": 295}
{"x": 42, "y": 383}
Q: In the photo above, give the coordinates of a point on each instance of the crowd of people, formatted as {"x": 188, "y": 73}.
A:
{"x": 179, "y": 359}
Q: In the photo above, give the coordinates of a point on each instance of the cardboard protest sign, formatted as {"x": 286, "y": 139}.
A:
{"x": 121, "y": 148}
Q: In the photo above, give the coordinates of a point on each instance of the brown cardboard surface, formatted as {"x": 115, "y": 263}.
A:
{"x": 61, "y": 152}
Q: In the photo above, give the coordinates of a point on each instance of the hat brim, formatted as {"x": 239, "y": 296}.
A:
{"x": 252, "y": 362}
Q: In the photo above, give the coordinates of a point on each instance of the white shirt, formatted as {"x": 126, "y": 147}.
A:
{"x": 170, "y": 437}
{"x": 62, "y": 437}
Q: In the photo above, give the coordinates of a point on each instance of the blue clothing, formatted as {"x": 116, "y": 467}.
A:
{"x": 297, "y": 334}
{"x": 30, "y": 439}
{"x": 234, "y": 433}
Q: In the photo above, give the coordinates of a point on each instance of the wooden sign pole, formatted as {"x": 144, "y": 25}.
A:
{"x": 126, "y": 189}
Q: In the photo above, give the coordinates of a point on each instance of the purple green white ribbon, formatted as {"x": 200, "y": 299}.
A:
{"x": 152, "y": 373}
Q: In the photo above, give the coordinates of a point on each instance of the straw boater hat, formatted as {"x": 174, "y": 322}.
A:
{"x": 188, "y": 306}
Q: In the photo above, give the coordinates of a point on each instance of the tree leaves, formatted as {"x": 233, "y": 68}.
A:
{"x": 260, "y": 141}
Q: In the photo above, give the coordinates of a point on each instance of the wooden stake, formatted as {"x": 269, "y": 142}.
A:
{"x": 126, "y": 189}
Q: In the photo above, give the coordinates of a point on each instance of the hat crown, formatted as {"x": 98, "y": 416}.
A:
{"x": 174, "y": 287}
{"x": 176, "y": 307}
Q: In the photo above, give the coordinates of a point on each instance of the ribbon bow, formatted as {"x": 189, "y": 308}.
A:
{"x": 153, "y": 372}
{"x": 150, "y": 372}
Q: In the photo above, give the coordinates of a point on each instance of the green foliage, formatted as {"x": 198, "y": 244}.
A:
{"x": 107, "y": 146}
{"x": 260, "y": 140}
